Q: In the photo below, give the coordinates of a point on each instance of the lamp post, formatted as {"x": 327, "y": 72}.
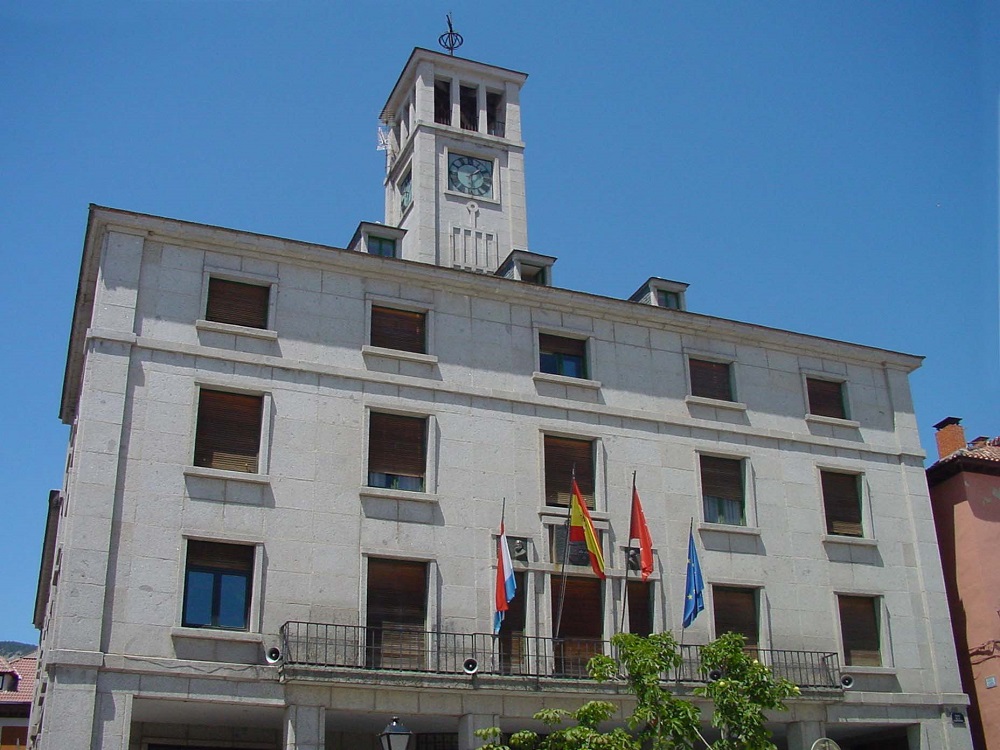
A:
{"x": 395, "y": 736}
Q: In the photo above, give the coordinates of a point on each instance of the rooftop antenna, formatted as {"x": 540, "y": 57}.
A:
{"x": 450, "y": 40}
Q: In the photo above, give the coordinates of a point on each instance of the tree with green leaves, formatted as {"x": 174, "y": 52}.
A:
{"x": 661, "y": 720}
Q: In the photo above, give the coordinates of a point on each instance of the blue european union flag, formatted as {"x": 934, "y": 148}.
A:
{"x": 694, "y": 588}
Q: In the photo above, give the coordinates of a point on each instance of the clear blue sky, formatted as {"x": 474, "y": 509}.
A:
{"x": 825, "y": 167}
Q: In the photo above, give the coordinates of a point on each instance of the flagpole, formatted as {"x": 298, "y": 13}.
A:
{"x": 562, "y": 595}
{"x": 690, "y": 536}
{"x": 628, "y": 556}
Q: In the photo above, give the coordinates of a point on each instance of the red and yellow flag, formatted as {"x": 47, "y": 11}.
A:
{"x": 581, "y": 529}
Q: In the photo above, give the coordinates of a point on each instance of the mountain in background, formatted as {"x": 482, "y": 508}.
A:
{"x": 16, "y": 649}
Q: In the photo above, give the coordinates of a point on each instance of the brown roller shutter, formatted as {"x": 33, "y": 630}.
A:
{"x": 399, "y": 329}
{"x": 736, "y": 612}
{"x": 640, "y": 608}
{"x": 841, "y": 503}
{"x": 826, "y": 398}
{"x": 397, "y": 444}
{"x": 859, "y": 627}
{"x": 397, "y": 614}
{"x": 561, "y": 455}
{"x": 582, "y": 625}
{"x": 562, "y": 345}
{"x": 228, "y": 431}
{"x": 722, "y": 477}
{"x": 711, "y": 379}
{"x": 583, "y": 610}
{"x": 237, "y": 303}
{"x": 220, "y": 556}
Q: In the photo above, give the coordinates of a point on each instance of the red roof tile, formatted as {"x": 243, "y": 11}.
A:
{"x": 25, "y": 669}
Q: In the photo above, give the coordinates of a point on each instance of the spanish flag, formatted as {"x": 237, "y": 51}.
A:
{"x": 581, "y": 529}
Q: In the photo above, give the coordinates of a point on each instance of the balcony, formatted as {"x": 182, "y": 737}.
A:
{"x": 323, "y": 647}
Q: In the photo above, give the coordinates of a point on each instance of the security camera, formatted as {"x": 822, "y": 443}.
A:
{"x": 273, "y": 655}
{"x": 715, "y": 674}
{"x": 846, "y": 681}
{"x": 470, "y": 666}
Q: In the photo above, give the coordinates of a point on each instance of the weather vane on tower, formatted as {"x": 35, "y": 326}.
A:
{"x": 450, "y": 40}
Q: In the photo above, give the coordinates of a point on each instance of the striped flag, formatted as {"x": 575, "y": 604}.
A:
{"x": 506, "y": 585}
{"x": 581, "y": 529}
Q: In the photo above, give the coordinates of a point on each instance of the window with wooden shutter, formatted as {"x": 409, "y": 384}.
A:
{"x": 561, "y": 456}
{"x": 722, "y": 490}
{"x": 237, "y": 303}
{"x": 711, "y": 379}
{"x": 559, "y": 355}
{"x": 217, "y": 585}
{"x": 397, "y": 614}
{"x": 736, "y": 612}
{"x": 581, "y": 627}
{"x": 859, "y": 627}
{"x": 513, "y": 648}
{"x": 842, "y": 503}
{"x": 399, "y": 329}
{"x": 397, "y": 451}
{"x": 826, "y": 398}
{"x": 640, "y": 607}
{"x": 228, "y": 431}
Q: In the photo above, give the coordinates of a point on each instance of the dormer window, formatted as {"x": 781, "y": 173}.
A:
{"x": 661, "y": 293}
{"x": 382, "y": 247}
{"x": 666, "y": 298}
{"x": 533, "y": 275}
{"x": 531, "y": 268}
{"x": 377, "y": 239}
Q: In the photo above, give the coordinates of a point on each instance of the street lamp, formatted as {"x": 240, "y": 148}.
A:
{"x": 395, "y": 736}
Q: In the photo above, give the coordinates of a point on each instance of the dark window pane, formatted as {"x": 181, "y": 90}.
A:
{"x": 198, "y": 599}
{"x": 562, "y": 356}
{"x": 562, "y": 457}
{"x": 233, "y": 600}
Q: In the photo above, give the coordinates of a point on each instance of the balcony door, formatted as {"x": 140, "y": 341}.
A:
{"x": 397, "y": 614}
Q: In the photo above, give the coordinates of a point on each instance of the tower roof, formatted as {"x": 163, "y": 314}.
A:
{"x": 421, "y": 54}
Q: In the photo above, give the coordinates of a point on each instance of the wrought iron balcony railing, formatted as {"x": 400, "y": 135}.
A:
{"x": 407, "y": 649}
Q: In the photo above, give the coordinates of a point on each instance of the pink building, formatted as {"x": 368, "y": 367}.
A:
{"x": 965, "y": 495}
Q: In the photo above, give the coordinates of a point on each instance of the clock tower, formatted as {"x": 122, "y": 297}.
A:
{"x": 455, "y": 164}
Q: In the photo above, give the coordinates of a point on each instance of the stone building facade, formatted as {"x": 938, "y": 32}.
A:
{"x": 965, "y": 495}
{"x": 288, "y": 464}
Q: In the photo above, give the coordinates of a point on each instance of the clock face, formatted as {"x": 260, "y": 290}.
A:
{"x": 470, "y": 175}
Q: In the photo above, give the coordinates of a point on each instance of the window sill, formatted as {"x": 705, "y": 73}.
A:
{"x": 850, "y": 669}
{"x": 835, "y": 421}
{"x": 547, "y": 377}
{"x": 216, "y": 634}
{"x": 203, "y": 472}
{"x": 385, "y": 493}
{"x": 716, "y": 402}
{"x": 257, "y": 333}
{"x": 557, "y": 514}
{"x": 467, "y": 197}
{"x": 380, "y": 351}
{"x": 851, "y": 541}
{"x": 726, "y": 528}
